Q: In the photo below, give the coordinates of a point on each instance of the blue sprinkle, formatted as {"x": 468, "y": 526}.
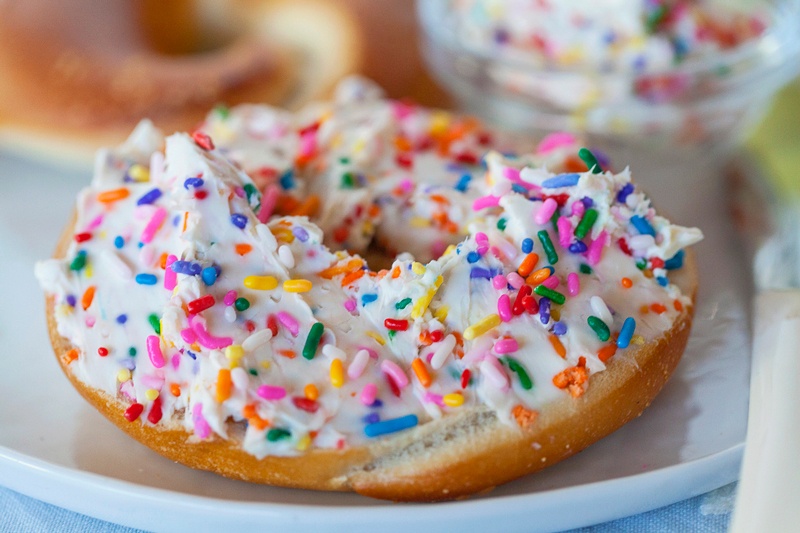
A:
{"x": 527, "y": 245}
{"x": 191, "y": 354}
{"x": 140, "y": 244}
{"x": 561, "y": 180}
{"x": 624, "y": 192}
{"x": 463, "y": 183}
{"x": 544, "y": 309}
{"x": 240, "y": 221}
{"x": 473, "y": 257}
{"x": 642, "y": 225}
{"x": 516, "y": 187}
{"x": 121, "y": 319}
{"x": 578, "y": 247}
{"x": 662, "y": 281}
{"x": 149, "y": 197}
{"x": 300, "y": 233}
{"x": 187, "y": 268}
{"x": 209, "y": 275}
{"x": 146, "y": 279}
{"x": 71, "y": 300}
{"x": 368, "y": 298}
{"x": 372, "y": 418}
{"x": 478, "y": 272}
{"x": 676, "y": 261}
{"x": 390, "y": 426}
{"x": 192, "y": 182}
{"x": 377, "y": 403}
{"x": 625, "y": 334}
{"x": 559, "y": 328}
{"x": 119, "y": 242}
{"x": 130, "y": 364}
{"x": 287, "y": 180}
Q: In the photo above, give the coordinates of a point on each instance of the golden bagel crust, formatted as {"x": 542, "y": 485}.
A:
{"x": 447, "y": 459}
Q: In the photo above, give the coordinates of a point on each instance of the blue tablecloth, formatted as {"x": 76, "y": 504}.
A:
{"x": 708, "y": 513}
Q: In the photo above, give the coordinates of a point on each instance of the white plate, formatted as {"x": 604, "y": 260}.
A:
{"x": 56, "y": 448}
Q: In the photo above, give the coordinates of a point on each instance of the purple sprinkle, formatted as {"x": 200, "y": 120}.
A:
{"x": 192, "y": 182}
{"x": 121, "y": 319}
{"x": 578, "y": 247}
{"x": 187, "y": 268}
{"x": 130, "y": 364}
{"x": 544, "y": 309}
{"x": 478, "y": 272}
{"x": 559, "y": 328}
{"x": 622, "y": 195}
{"x": 377, "y": 403}
{"x": 191, "y": 354}
{"x": 561, "y": 180}
{"x": 149, "y": 197}
{"x": 587, "y": 202}
{"x": 240, "y": 221}
{"x": 71, "y": 300}
{"x": 372, "y": 418}
{"x": 300, "y": 233}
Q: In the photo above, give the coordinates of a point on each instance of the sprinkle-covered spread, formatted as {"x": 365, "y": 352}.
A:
{"x": 192, "y": 306}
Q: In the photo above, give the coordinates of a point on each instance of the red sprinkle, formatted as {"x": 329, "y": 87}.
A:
{"x": 154, "y": 416}
{"x": 530, "y": 304}
{"x": 202, "y": 140}
{"x": 519, "y": 306}
{"x": 102, "y": 351}
{"x": 200, "y": 194}
{"x": 437, "y": 335}
{"x": 657, "y": 262}
{"x": 623, "y": 245}
{"x": 465, "y": 376}
{"x": 392, "y": 385}
{"x": 272, "y": 324}
{"x": 81, "y": 237}
{"x": 250, "y": 326}
{"x": 305, "y": 404}
{"x": 201, "y": 304}
{"x": 396, "y": 324}
{"x": 561, "y": 199}
{"x": 133, "y": 412}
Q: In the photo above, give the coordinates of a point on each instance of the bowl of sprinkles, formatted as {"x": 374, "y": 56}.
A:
{"x": 654, "y": 82}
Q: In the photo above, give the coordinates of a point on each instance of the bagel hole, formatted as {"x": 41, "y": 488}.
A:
{"x": 187, "y": 27}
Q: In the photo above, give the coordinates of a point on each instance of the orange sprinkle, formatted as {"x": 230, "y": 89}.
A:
{"x": 374, "y": 210}
{"x": 243, "y": 249}
{"x": 402, "y": 144}
{"x": 308, "y": 208}
{"x": 658, "y": 308}
{"x": 88, "y": 296}
{"x": 113, "y": 195}
{"x": 335, "y": 270}
{"x": 528, "y": 264}
{"x": 425, "y": 338}
{"x": 421, "y": 372}
{"x": 351, "y": 277}
{"x": 162, "y": 261}
{"x": 558, "y": 346}
{"x": 249, "y": 412}
{"x": 644, "y": 310}
{"x": 185, "y": 220}
{"x": 678, "y": 305}
{"x": 224, "y": 385}
{"x": 648, "y": 273}
{"x": 70, "y": 356}
{"x": 175, "y": 389}
{"x": 537, "y": 277}
{"x": 286, "y": 204}
{"x": 607, "y": 352}
{"x": 311, "y": 392}
{"x": 439, "y": 199}
{"x": 626, "y": 282}
{"x": 524, "y": 417}
{"x": 573, "y": 378}
{"x": 396, "y": 272}
{"x": 291, "y": 354}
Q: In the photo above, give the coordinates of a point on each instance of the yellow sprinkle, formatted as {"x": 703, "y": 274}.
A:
{"x": 89, "y": 270}
{"x": 422, "y": 304}
{"x": 260, "y": 283}
{"x": 337, "y": 373}
{"x": 439, "y": 122}
{"x": 234, "y": 352}
{"x": 297, "y": 285}
{"x": 359, "y": 145}
{"x": 123, "y": 375}
{"x": 637, "y": 339}
{"x": 311, "y": 392}
{"x": 139, "y": 172}
{"x": 151, "y": 394}
{"x": 377, "y": 337}
{"x": 418, "y": 268}
{"x": 283, "y": 234}
{"x": 482, "y": 326}
{"x": 555, "y": 314}
{"x": 441, "y": 313}
{"x": 455, "y": 399}
{"x": 64, "y": 310}
{"x": 419, "y": 222}
{"x": 304, "y": 443}
{"x": 265, "y": 364}
{"x": 450, "y": 249}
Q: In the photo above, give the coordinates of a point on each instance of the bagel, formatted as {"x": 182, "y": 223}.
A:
{"x": 247, "y": 347}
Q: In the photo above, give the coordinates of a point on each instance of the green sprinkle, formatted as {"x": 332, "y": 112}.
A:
{"x": 253, "y": 372}
{"x": 402, "y": 304}
{"x": 555, "y": 296}
{"x": 312, "y": 341}
{"x": 79, "y": 262}
{"x": 590, "y": 160}
{"x": 585, "y": 269}
{"x": 251, "y": 191}
{"x": 519, "y": 370}
{"x": 241, "y": 304}
{"x": 347, "y": 180}
{"x": 641, "y": 264}
{"x": 222, "y": 110}
{"x": 547, "y": 244}
{"x": 586, "y": 223}
{"x": 155, "y": 322}
{"x": 391, "y": 334}
{"x": 132, "y": 351}
{"x": 276, "y": 434}
{"x": 654, "y": 18}
{"x": 599, "y": 327}
{"x": 501, "y": 224}
{"x": 344, "y": 160}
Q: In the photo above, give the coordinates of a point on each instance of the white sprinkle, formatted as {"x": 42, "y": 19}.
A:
{"x": 230, "y": 314}
{"x": 445, "y": 348}
{"x": 600, "y": 309}
{"x": 358, "y": 365}
{"x": 257, "y": 339}
{"x": 494, "y": 373}
{"x": 286, "y": 257}
{"x": 332, "y": 352}
{"x": 240, "y": 378}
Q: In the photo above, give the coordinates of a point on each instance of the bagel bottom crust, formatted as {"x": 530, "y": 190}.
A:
{"x": 445, "y": 459}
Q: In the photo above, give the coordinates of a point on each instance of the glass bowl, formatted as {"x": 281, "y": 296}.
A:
{"x": 667, "y": 123}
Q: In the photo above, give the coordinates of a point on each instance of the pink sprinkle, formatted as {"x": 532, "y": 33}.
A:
{"x": 369, "y": 393}
{"x": 230, "y": 298}
{"x": 268, "y": 201}
{"x": 504, "y": 307}
{"x": 308, "y": 144}
{"x": 270, "y": 392}
{"x": 493, "y": 371}
{"x": 555, "y": 140}
{"x": 551, "y": 282}
{"x": 176, "y": 360}
{"x": 350, "y": 304}
{"x": 90, "y": 320}
{"x": 95, "y": 223}
{"x": 395, "y": 373}
{"x": 564, "y": 232}
{"x": 499, "y": 282}
{"x": 209, "y": 341}
{"x": 401, "y": 109}
{"x": 596, "y": 248}
{"x": 289, "y": 322}
{"x": 372, "y": 353}
{"x": 485, "y": 201}
{"x": 545, "y": 212}
{"x": 434, "y": 398}
{"x": 170, "y": 277}
{"x": 201, "y": 427}
{"x": 406, "y": 185}
{"x": 504, "y": 346}
{"x": 573, "y": 284}
{"x": 154, "y": 351}
{"x": 358, "y": 365}
{"x": 515, "y": 280}
{"x": 481, "y": 238}
{"x": 578, "y": 208}
{"x": 151, "y": 381}
{"x": 154, "y": 225}
{"x": 188, "y": 336}
{"x": 482, "y": 249}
